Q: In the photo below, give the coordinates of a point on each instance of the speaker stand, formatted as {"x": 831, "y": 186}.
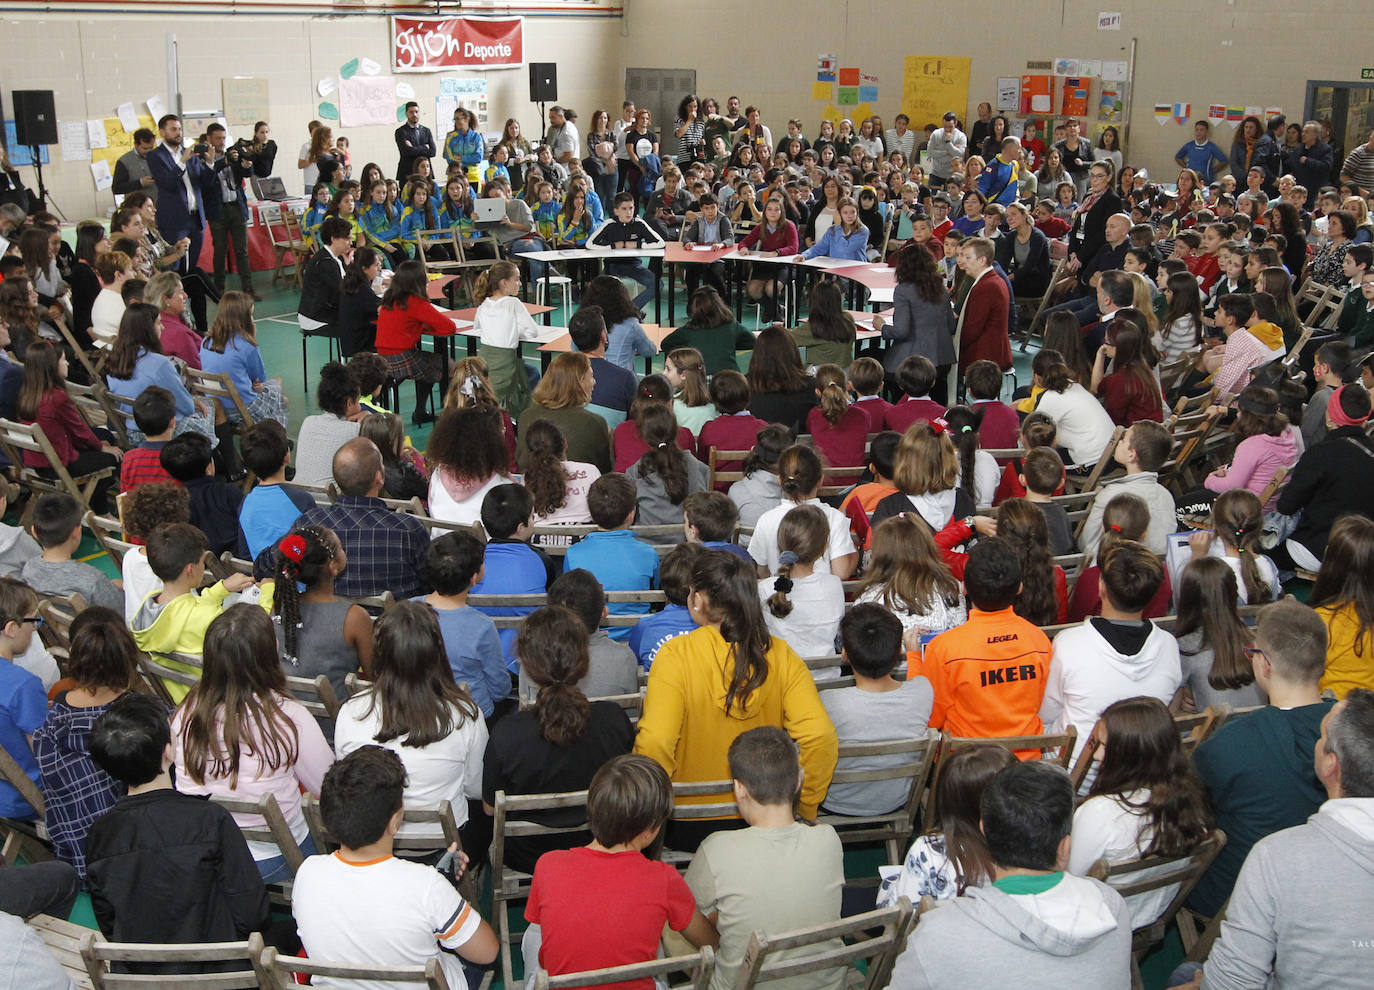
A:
{"x": 42, "y": 188}
{"x": 543, "y": 126}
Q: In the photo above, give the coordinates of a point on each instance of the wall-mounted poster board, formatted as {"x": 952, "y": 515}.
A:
{"x": 245, "y": 100}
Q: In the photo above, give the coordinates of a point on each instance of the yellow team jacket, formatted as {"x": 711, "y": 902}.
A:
{"x": 685, "y": 728}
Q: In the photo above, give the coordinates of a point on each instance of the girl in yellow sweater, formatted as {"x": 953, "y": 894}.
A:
{"x": 729, "y": 676}
{"x": 1343, "y": 596}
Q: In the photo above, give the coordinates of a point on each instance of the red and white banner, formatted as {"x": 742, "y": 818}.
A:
{"x": 436, "y": 44}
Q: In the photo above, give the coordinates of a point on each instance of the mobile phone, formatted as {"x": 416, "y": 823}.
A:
{"x": 448, "y": 865}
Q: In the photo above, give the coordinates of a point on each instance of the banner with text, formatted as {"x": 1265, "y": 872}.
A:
{"x": 436, "y": 44}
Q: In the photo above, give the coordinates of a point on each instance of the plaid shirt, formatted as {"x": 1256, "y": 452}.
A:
{"x": 385, "y": 549}
{"x": 142, "y": 466}
{"x": 76, "y": 791}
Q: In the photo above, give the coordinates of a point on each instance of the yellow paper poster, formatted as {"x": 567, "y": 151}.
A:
{"x": 118, "y": 140}
{"x": 933, "y": 85}
{"x": 822, "y": 91}
{"x": 861, "y": 113}
{"x": 832, "y": 115}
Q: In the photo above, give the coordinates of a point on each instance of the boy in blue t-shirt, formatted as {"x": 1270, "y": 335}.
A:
{"x": 23, "y": 703}
{"x": 453, "y": 565}
{"x": 619, "y": 559}
{"x": 511, "y": 566}
{"x": 652, "y": 631}
{"x": 268, "y": 512}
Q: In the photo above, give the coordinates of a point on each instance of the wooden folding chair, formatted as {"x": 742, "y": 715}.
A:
{"x": 62, "y": 938}
{"x": 218, "y": 387}
{"x": 1290, "y": 360}
{"x": 16, "y": 438}
{"x": 284, "y": 230}
{"x": 282, "y": 972}
{"x": 15, "y": 776}
{"x": 907, "y": 760}
{"x": 1040, "y": 304}
{"x": 1193, "y": 730}
{"x": 701, "y": 965}
{"x": 316, "y": 694}
{"x": 95, "y": 412}
{"x": 1046, "y": 742}
{"x": 875, "y": 937}
{"x": 273, "y": 830}
{"x": 240, "y": 964}
{"x": 432, "y": 245}
{"x": 1078, "y": 483}
{"x": 720, "y": 476}
{"x": 92, "y": 359}
{"x": 1141, "y": 876}
{"x": 58, "y": 612}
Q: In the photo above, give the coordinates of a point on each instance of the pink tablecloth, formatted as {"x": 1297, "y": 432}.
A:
{"x": 260, "y": 252}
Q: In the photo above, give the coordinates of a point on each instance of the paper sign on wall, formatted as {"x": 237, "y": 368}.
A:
{"x": 100, "y": 172}
{"x": 822, "y": 91}
{"x": 1008, "y": 93}
{"x": 1109, "y": 106}
{"x": 1075, "y": 97}
{"x": 156, "y": 108}
{"x": 367, "y": 100}
{"x": 368, "y": 67}
{"x": 127, "y": 116}
{"x": 245, "y": 100}
{"x": 117, "y": 141}
{"x": 933, "y": 85}
{"x": 1115, "y": 71}
{"x": 71, "y": 135}
{"x": 1109, "y": 20}
{"x": 1162, "y": 113}
{"x": 1066, "y": 67}
{"x": 825, "y": 67}
{"x": 1216, "y": 111}
{"x": 868, "y": 87}
{"x": 1090, "y": 68}
{"x": 326, "y": 86}
{"x": 861, "y": 113}
{"x": 1036, "y": 95}
{"x": 95, "y": 134}
{"x": 849, "y": 77}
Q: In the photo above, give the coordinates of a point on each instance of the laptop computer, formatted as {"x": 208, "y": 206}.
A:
{"x": 272, "y": 189}
{"x": 488, "y": 211}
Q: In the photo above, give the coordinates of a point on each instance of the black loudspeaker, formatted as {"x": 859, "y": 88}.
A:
{"x": 543, "y": 82}
{"x": 35, "y": 120}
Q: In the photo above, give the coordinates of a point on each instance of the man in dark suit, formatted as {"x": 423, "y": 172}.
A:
{"x": 226, "y": 208}
{"x": 180, "y": 175}
{"x": 413, "y": 142}
{"x": 319, "y": 306}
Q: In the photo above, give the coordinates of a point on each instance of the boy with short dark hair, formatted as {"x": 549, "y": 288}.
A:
{"x": 613, "y": 668}
{"x": 510, "y": 565}
{"x": 1142, "y": 451}
{"x": 1000, "y": 429}
{"x": 214, "y": 506}
{"x": 23, "y": 702}
{"x": 988, "y": 675}
{"x": 174, "y": 619}
{"x": 57, "y": 528}
{"x": 865, "y": 376}
{"x": 156, "y": 833}
{"x": 1249, "y": 343}
{"x": 268, "y": 512}
{"x": 915, "y": 377}
{"x": 1042, "y": 474}
{"x": 710, "y": 518}
{"x": 868, "y": 711}
{"x": 337, "y": 900}
{"x": 675, "y": 577}
{"x": 155, "y": 415}
{"x": 617, "y": 558}
{"x": 863, "y": 498}
{"x": 778, "y": 874}
{"x": 1115, "y": 655}
{"x": 453, "y": 565}
{"x": 625, "y": 230}
{"x": 1331, "y": 367}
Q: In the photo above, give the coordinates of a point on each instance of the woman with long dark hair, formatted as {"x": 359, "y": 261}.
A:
{"x": 1288, "y": 223}
{"x": 414, "y": 709}
{"x": 136, "y": 361}
{"x": 665, "y": 474}
{"x": 712, "y": 330}
{"x": 240, "y": 733}
{"x": 358, "y": 303}
{"x": 91, "y": 240}
{"x": 1344, "y": 597}
{"x": 780, "y": 389}
{"x": 829, "y": 332}
{"x": 558, "y": 486}
{"x": 1130, "y": 392}
{"x": 922, "y": 320}
{"x": 1044, "y": 595}
{"x": 1212, "y": 640}
{"x": 688, "y": 727}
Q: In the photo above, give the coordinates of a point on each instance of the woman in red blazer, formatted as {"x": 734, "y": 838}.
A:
{"x": 405, "y": 315}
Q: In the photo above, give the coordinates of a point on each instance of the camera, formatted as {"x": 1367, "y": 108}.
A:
{"x": 200, "y": 148}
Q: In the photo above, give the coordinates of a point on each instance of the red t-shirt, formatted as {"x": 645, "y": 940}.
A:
{"x": 1001, "y": 426}
{"x": 841, "y": 444}
{"x": 1128, "y": 401}
{"x": 400, "y": 327}
{"x": 875, "y": 407}
{"x": 600, "y": 909}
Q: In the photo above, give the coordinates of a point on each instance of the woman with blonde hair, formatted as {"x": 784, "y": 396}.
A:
{"x": 502, "y": 322}
{"x": 561, "y": 397}
{"x": 232, "y": 347}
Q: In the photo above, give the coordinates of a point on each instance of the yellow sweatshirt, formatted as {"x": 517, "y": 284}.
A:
{"x": 685, "y": 728}
{"x": 1345, "y": 669}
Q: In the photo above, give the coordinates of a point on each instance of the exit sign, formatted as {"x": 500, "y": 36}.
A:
{"x": 1367, "y": 73}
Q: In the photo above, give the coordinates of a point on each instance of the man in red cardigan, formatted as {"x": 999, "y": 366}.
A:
{"x": 983, "y": 336}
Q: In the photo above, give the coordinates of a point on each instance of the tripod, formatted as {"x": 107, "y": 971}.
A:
{"x": 42, "y": 189}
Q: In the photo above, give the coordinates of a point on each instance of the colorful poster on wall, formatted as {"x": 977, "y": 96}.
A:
{"x": 1008, "y": 93}
{"x": 849, "y": 77}
{"x": 822, "y": 91}
{"x": 433, "y": 44}
{"x": 933, "y": 85}
{"x": 825, "y": 67}
{"x": 117, "y": 139}
{"x": 861, "y": 113}
{"x": 1036, "y": 95}
{"x": 1066, "y": 66}
{"x": 868, "y": 87}
{"x": 1109, "y": 105}
{"x": 848, "y": 96}
{"x": 832, "y": 114}
{"x": 1075, "y": 102}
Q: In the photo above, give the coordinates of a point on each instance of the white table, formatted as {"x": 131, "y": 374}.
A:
{"x": 590, "y": 254}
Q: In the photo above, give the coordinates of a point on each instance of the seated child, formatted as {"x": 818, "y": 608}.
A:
{"x": 16, "y": 546}
{"x": 1041, "y": 475}
{"x": 612, "y": 667}
{"x": 871, "y": 709}
{"x": 614, "y": 555}
{"x": 174, "y": 619}
{"x": 674, "y": 576}
{"x": 1142, "y": 450}
{"x": 214, "y": 505}
{"x": 606, "y": 903}
{"x": 1001, "y": 427}
{"x": 734, "y": 427}
{"x": 710, "y": 518}
{"x": 1126, "y": 517}
{"x": 861, "y": 500}
{"x": 143, "y": 510}
{"x": 370, "y": 370}
{"x": 778, "y": 874}
{"x": 866, "y": 379}
{"x": 23, "y": 702}
{"x": 156, "y": 833}
{"x": 155, "y": 415}
{"x": 57, "y": 528}
{"x": 268, "y": 512}
{"x": 1037, "y": 430}
{"x": 915, "y": 377}
{"x": 453, "y": 565}
{"x": 337, "y": 900}
{"x": 803, "y": 606}
{"x": 510, "y": 565}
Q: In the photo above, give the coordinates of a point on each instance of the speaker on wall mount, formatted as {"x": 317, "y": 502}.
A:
{"x": 35, "y": 119}
{"x": 543, "y": 82}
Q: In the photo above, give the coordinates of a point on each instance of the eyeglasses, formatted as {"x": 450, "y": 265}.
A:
{"x": 1251, "y": 652}
{"x": 36, "y": 620}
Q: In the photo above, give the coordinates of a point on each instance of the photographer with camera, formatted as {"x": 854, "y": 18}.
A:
{"x": 182, "y": 175}
{"x": 226, "y": 207}
{"x": 259, "y": 154}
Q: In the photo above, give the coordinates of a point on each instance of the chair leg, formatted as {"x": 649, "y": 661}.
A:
{"x": 503, "y": 934}
{"x": 305, "y": 380}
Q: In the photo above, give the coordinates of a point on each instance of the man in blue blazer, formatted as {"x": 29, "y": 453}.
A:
{"x": 180, "y": 176}
{"x": 226, "y": 208}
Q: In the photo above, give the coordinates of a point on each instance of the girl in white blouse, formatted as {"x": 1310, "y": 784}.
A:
{"x": 502, "y": 322}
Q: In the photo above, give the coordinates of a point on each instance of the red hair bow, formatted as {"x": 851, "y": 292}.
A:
{"x": 292, "y": 548}
{"x": 939, "y": 426}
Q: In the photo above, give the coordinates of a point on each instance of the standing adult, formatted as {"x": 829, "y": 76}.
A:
{"x": 689, "y": 129}
{"x": 623, "y": 125}
{"x": 413, "y": 142}
{"x": 131, "y": 173}
{"x": 901, "y": 138}
{"x": 982, "y": 127}
{"x": 464, "y": 144}
{"x": 943, "y": 146}
{"x": 562, "y": 138}
{"x": 1089, "y": 230}
{"x": 1076, "y": 155}
{"x": 922, "y": 320}
{"x": 226, "y": 208}
{"x": 261, "y": 152}
{"x": 1310, "y": 162}
{"x": 757, "y": 132}
{"x": 1358, "y": 169}
{"x": 181, "y": 176}
{"x": 983, "y": 335}
{"x": 1253, "y": 148}
{"x": 1202, "y": 154}
{"x": 310, "y": 173}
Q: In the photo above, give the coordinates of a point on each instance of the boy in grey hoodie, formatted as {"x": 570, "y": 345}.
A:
{"x": 1142, "y": 451}
{"x": 1299, "y": 916}
{"x": 1034, "y": 926}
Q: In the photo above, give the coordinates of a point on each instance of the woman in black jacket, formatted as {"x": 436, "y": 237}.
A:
{"x": 1089, "y": 230}
{"x": 358, "y": 303}
{"x": 1024, "y": 254}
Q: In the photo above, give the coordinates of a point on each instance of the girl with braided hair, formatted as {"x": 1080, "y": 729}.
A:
{"x": 318, "y": 633}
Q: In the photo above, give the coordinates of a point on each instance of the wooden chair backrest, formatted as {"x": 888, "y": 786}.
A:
{"x": 1165, "y": 871}
{"x": 282, "y": 971}
{"x": 15, "y": 438}
{"x": 716, "y": 457}
{"x": 852, "y": 940}
{"x": 12, "y": 773}
{"x": 916, "y": 758}
{"x": 273, "y": 829}
{"x": 92, "y": 366}
{"x": 215, "y": 386}
{"x": 1064, "y": 742}
{"x": 246, "y": 974}
{"x": 701, "y": 966}
{"x": 109, "y": 534}
{"x": 442, "y": 834}
{"x": 1103, "y": 463}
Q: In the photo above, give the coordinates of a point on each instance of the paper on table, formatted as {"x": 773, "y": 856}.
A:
{"x": 95, "y": 134}
{"x": 127, "y": 116}
{"x": 100, "y": 172}
{"x": 881, "y": 269}
{"x": 156, "y": 108}
{"x": 71, "y": 135}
